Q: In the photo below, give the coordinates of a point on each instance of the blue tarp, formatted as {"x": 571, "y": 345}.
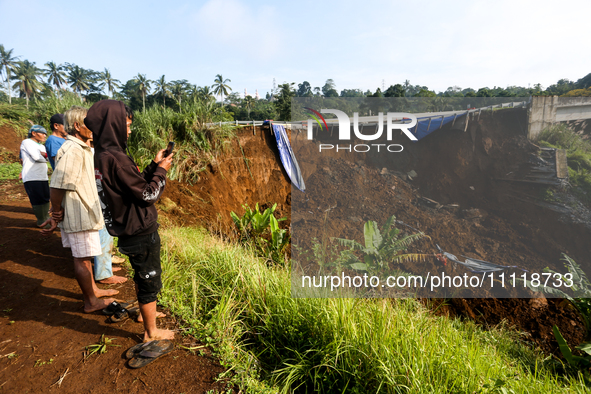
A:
{"x": 426, "y": 126}
{"x": 287, "y": 157}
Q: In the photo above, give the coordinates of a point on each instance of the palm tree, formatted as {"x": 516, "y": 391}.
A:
{"x": 78, "y": 78}
{"x": 143, "y": 85}
{"x": 219, "y": 87}
{"x": 108, "y": 81}
{"x": 205, "y": 92}
{"x": 8, "y": 62}
{"x": 26, "y": 74}
{"x": 55, "y": 74}
{"x": 162, "y": 88}
{"x": 248, "y": 104}
{"x": 178, "y": 89}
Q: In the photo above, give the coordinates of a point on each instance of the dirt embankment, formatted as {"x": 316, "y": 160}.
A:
{"x": 247, "y": 172}
{"x": 9, "y": 145}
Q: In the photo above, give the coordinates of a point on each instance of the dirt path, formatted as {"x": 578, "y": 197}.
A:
{"x": 43, "y": 331}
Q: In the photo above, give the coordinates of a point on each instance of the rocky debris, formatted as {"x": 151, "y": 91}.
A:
{"x": 473, "y": 214}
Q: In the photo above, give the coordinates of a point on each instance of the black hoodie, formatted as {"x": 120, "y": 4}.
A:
{"x": 127, "y": 196}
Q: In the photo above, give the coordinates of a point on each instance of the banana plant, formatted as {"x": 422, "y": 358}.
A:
{"x": 279, "y": 237}
{"x": 380, "y": 249}
{"x": 579, "y": 362}
{"x": 254, "y": 223}
{"x": 262, "y": 229}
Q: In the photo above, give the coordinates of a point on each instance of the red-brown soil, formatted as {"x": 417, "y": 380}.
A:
{"x": 9, "y": 145}
{"x": 231, "y": 181}
{"x": 43, "y": 330}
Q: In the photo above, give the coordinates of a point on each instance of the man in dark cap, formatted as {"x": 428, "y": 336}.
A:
{"x": 56, "y": 139}
{"x": 128, "y": 198}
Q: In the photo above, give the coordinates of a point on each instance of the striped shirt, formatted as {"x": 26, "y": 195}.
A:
{"x": 74, "y": 172}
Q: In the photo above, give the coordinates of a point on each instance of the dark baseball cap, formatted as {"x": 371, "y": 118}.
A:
{"x": 57, "y": 118}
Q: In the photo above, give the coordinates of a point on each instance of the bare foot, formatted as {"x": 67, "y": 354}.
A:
{"x": 105, "y": 293}
{"x": 115, "y": 269}
{"x": 100, "y": 304}
{"x": 159, "y": 315}
{"x": 113, "y": 280}
{"x": 159, "y": 334}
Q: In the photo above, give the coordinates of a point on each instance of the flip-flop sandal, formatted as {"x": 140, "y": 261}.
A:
{"x": 116, "y": 306}
{"x": 152, "y": 351}
{"x": 136, "y": 349}
{"x": 124, "y": 314}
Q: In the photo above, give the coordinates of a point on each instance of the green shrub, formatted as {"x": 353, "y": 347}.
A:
{"x": 562, "y": 136}
{"x": 10, "y": 170}
{"x": 578, "y": 154}
{"x": 380, "y": 248}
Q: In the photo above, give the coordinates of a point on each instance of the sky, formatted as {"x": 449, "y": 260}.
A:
{"x": 359, "y": 44}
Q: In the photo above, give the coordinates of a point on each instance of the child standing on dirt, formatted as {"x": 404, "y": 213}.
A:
{"x": 128, "y": 199}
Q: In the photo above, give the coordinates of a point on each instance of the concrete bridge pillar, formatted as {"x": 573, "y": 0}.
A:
{"x": 542, "y": 113}
{"x": 547, "y": 110}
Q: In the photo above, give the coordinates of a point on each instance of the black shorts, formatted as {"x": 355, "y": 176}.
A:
{"x": 144, "y": 256}
{"x": 38, "y": 192}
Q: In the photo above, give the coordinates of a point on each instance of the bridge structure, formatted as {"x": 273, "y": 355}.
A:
{"x": 544, "y": 111}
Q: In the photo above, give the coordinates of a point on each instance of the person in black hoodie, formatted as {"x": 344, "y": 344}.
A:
{"x": 127, "y": 199}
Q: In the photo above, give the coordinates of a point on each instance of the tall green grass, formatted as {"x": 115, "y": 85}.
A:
{"x": 276, "y": 343}
{"x": 39, "y": 112}
{"x": 44, "y": 109}
{"x": 197, "y": 136}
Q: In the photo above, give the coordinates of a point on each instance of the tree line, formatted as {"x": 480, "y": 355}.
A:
{"x": 32, "y": 82}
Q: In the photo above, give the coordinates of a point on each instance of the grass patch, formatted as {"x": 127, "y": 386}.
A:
{"x": 10, "y": 170}
{"x": 275, "y": 343}
{"x": 578, "y": 154}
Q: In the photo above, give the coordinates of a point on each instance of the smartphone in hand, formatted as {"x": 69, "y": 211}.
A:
{"x": 169, "y": 149}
